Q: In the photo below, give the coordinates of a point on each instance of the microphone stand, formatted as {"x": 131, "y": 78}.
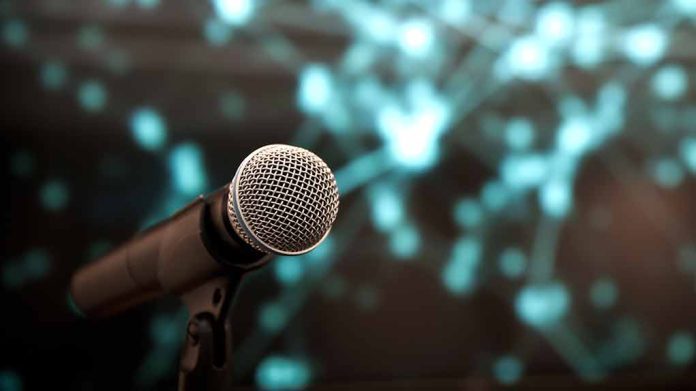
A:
{"x": 206, "y": 358}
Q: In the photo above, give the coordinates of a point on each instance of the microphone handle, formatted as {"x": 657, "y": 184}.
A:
{"x": 174, "y": 256}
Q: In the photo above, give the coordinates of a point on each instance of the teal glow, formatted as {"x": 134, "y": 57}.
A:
{"x": 527, "y": 58}
{"x": 687, "y": 150}
{"x": 232, "y": 105}
{"x": 165, "y": 330}
{"x": 118, "y": 62}
{"x": 645, "y": 44}
{"x": 315, "y": 88}
{"x": 53, "y": 75}
{"x": 468, "y": 213}
{"x": 36, "y": 263}
{"x": 10, "y": 381}
{"x": 687, "y": 7}
{"x": 148, "y": 128}
{"x": 575, "y": 135}
{"x": 97, "y": 249}
{"x": 273, "y": 317}
{"x": 494, "y": 196}
{"x": 234, "y": 12}
{"x": 604, "y": 293}
{"x": 92, "y": 96}
{"x": 455, "y": 11}
{"x": 556, "y": 198}
{"x": 22, "y": 164}
{"x": 289, "y": 270}
{"x": 15, "y": 33}
{"x": 386, "y": 206}
{"x": 118, "y": 3}
{"x": 404, "y": 241}
{"x": 188, "y": 169}
{"x": 542, "y": 305}
{"x": 588, "y": 48}
{"x": 54, "y": 195}
{"x": 459, "y": 275}
{"x": 376, "y": 25}
{"x": 519, "y": 134}
{"x": 524, "y": 171}
{"x": 416, "y": 37}
{"x": 668, "y": 173}
{"x": 555, "y": 23}
{"x": 282, "y": 373}
{"x": 217, "y": 32}
{"x": 90, "y": 37}
{"x": 148, "y": 4}
{"x": 512, "y": 263}
{"x": 687, "y": 259}
{"x": 321, "y": 253}
{"x": 681, "y": 348}
{"x": 670, "y": 82}
{"x": 508, "y": 370}
{"x": 412, "y": 134}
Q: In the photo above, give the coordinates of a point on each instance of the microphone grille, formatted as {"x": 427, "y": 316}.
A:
{"x": 283, "y": 200}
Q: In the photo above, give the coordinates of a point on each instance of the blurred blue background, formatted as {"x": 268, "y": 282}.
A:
{"x": 517, "y": 183}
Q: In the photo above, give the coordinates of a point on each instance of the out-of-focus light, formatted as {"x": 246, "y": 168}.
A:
{"x": 234, "y": 12}
{"x": 118, "y": 3}
{"x": 687, "y": 7}
{"x": 512, "y": 263}
{"x": 555, "y": 23}
{"x": 687, "y": 150}
{"x": 519, "y": 134}
{"x": 387, "y": 207}
{"x": 334, "y": 287}
{"x": 188, "y": 169}
{"x": 90, "y": 37}
{"x": 165, "y": 330}
{"x": 527, "y": 58}
{"x": 289, "y": 270}
{"x": 455, "y": 11}
{"x": 667, "y": 172}
{"x": 681, "y": 348}
{"x": 508, "y": 370}
{"x": 604, "y": 293}
{"x": 468, "y": 213}
{"x": 670, "y": 82}
{"x": 524, "y": 171}
{"x": 315, "y": 88}
{"x": 282, "y": 373}
{"x": 36, "y": 263}
{"x": 216, "y": 32}
{"x": 53, "y": 75}
{"x": 413, "y": 135}
{"x": 645, "y": 44}
{"x": 542, "y": 305}
{"x": 273, "y": 317}
{"x": 148, "y": 4}
{"x": 15, "y": 33}
{"x": 377, "y": 25}
{"x": 10, "y": 381}
{"x": 54, "y": 195}
{"x": 404, "y": 241}
{"x": 148, "y": 128}
{"x": 459, "y": 275}
{"x": 232, "y": 105}
{"x": 494, "y": 196}
{"x": 92, "y": 96}
{"x": 556, "y": 198}
{"x": 575, "y": 135}
{"x": 416, "y": 37}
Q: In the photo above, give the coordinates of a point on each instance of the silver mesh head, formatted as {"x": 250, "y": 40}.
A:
{"x": 283, "y": 200}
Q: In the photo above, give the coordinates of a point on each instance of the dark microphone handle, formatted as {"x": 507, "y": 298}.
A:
{"x": 194, "y": 245}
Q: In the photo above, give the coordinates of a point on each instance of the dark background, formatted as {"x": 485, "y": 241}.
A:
{"x": 361, "y": 312}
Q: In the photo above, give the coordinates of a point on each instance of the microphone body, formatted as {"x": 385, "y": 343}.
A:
{"x": 174, "y": 256}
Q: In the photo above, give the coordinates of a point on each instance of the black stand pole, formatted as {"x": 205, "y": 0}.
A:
{"x": 206, "y": 359}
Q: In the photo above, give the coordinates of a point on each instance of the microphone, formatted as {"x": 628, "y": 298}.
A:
{"x": 282, "y": 200}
